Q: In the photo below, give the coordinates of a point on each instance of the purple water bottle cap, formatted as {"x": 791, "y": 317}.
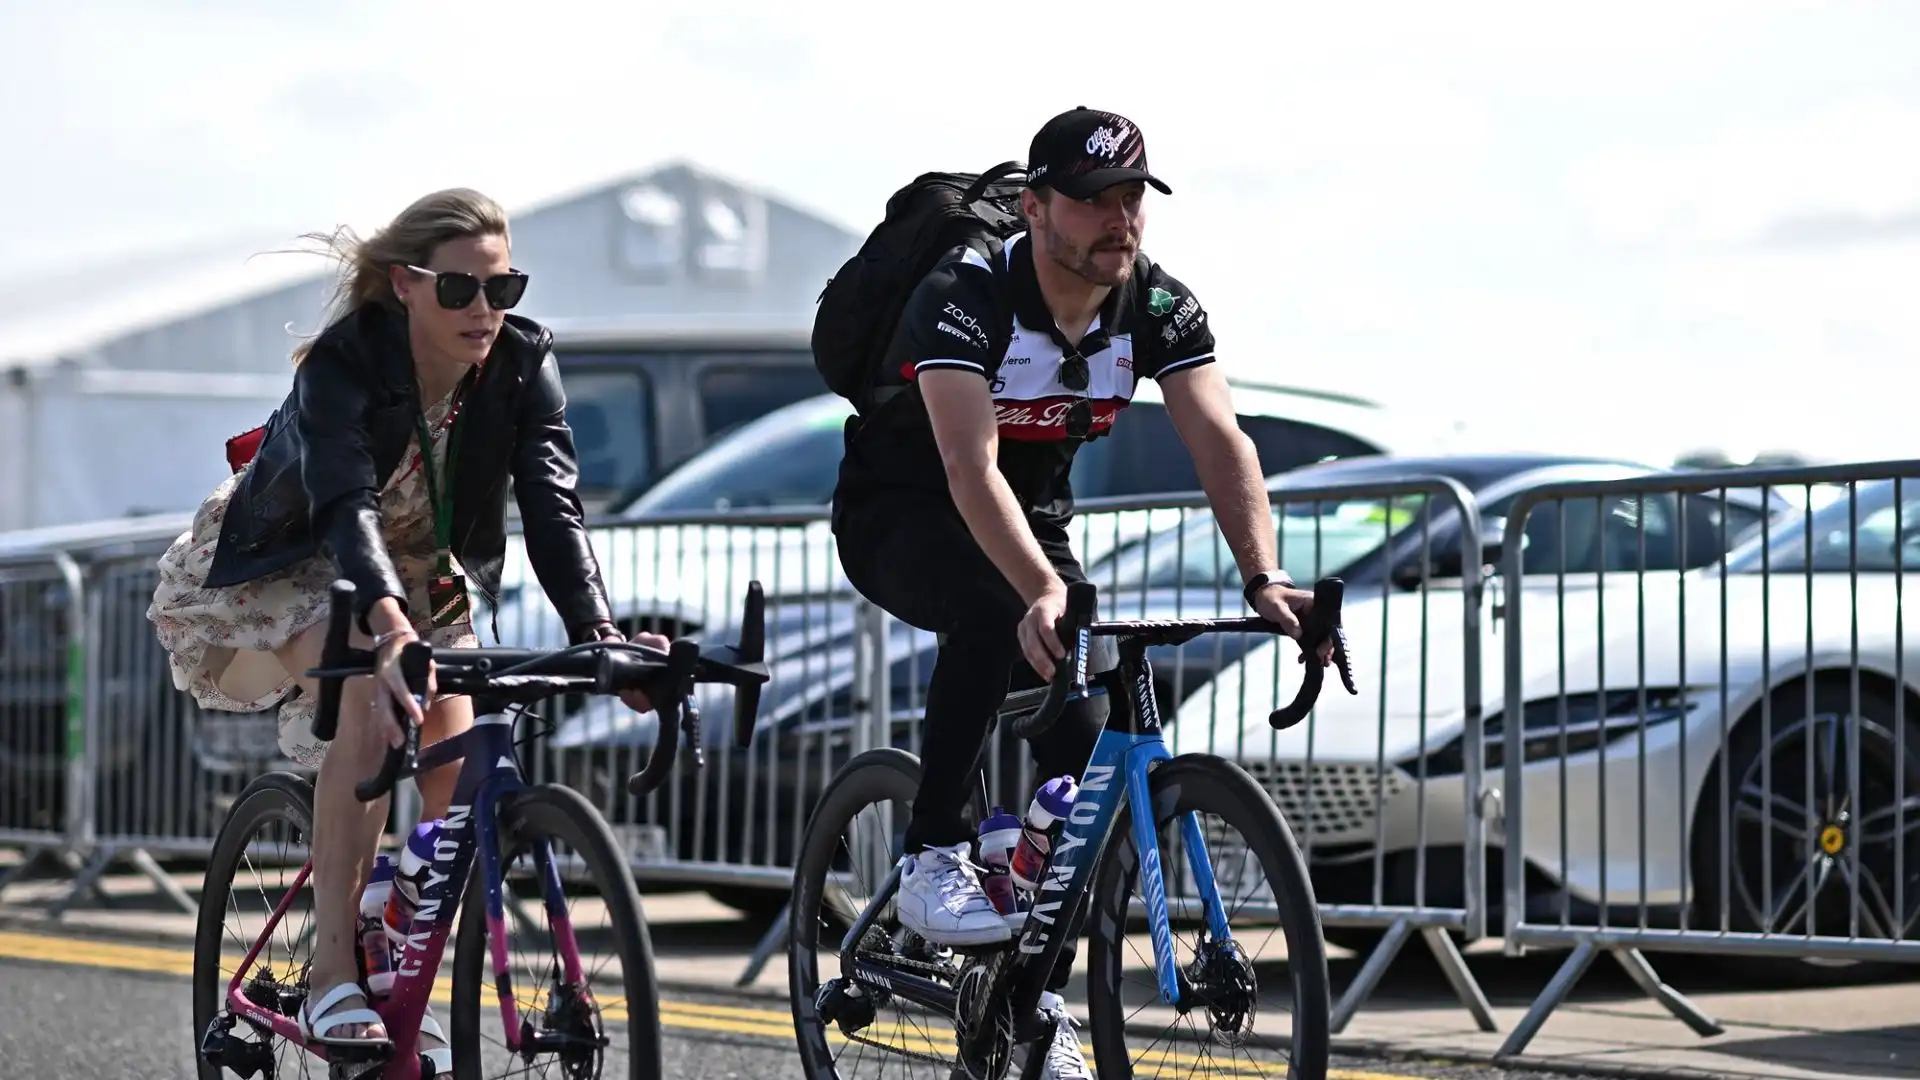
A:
{"x": 382, "y": 868}
{"x": 422, "y": 838}
{"x": 999, "y": 820}
{"x": 1056, "y": 795}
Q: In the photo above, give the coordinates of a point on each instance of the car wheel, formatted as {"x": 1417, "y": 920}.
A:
{"x": 1777, "y": 871}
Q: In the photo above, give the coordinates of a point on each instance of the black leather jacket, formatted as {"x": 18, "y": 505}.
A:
{"x": 328, "y": 450}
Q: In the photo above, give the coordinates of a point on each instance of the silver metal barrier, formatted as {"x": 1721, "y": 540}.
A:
{"x": 1383, "y": 790}
{"x": 1714, "y": 761}
{"x": 43, "y": 768}
{"x": 734, "y": 827}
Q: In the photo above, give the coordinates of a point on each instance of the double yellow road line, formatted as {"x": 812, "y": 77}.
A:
{"x": 775, "y": 1025}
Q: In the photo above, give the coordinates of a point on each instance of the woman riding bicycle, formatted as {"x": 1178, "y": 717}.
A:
{"x": 421, "y": 352}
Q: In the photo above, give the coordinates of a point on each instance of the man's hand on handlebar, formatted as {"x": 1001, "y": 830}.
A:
{"x": 1039, "y": 640}
{"x": 1286, "y": 606}
{"x": 637, "y": 699}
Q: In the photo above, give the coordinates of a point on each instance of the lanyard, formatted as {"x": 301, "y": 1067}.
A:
{"x": 442, "y": 508}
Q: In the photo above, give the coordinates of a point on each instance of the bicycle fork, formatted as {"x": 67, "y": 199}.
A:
{"x": 519, "y": 1033}
{"x": 1146, "y": 840}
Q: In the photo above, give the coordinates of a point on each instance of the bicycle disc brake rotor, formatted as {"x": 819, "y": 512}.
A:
{"x": 1223, "y": 976}
{"x": 975, "y": 1011}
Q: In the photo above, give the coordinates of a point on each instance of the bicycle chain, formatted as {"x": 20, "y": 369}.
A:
{"x": 894, "y": 960}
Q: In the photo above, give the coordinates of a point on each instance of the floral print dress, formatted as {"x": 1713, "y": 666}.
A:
{"x": 220, "y": 642}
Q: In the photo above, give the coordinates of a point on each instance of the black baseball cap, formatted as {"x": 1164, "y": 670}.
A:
{"x": 1083, "y": 151}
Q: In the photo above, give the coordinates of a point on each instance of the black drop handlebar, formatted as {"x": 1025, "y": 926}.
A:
{"x": 497, "y": 678}
{"x": 1077, "y": 630}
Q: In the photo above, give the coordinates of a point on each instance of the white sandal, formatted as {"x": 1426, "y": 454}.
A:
{"x": 316, "y": 1031}
{"x": 442, "y": 1058}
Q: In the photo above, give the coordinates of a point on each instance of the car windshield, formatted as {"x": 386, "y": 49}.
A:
{"x": 1873, "y": 531}
{"x": 787, "y": 458}
{"x": 1316, "y": 539}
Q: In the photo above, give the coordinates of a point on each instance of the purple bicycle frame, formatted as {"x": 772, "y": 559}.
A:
{"x": 488, "y": 778}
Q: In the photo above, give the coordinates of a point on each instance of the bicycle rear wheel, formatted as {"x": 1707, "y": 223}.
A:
{"x": 852, "y": 840}
{"x": 258, "y": 854}
{"x": 610, "y": 932}
{"x": 1217, "y": 1039}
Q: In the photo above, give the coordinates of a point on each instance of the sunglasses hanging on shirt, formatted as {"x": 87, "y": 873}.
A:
{"x": 1076, "y": 375}
{"x": 455, "y": 290}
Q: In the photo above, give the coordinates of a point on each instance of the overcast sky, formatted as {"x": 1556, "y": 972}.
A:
{"x": 1634, "y": 227}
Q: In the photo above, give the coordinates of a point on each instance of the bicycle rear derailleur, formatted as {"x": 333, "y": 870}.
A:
{"x": 222, "y": 1049}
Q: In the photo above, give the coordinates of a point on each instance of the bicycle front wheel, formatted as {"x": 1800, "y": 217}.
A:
{"x": 608, "y": 1024}
{"x": 1263, "y": 888}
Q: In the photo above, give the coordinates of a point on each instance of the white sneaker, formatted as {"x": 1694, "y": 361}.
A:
{"x": 940, "y": 899}
{"x": 1064, "y": 1061}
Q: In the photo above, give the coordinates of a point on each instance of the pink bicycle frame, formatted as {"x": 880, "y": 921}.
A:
{"x": 488, "y": 779}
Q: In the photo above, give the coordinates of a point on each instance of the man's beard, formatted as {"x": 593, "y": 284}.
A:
{"x": 1079, "y": 261}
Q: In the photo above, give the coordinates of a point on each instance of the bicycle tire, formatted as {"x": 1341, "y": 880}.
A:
{"x": 565, "y": 814}
{"x": 1214, "y": 785}
{"x": 883, "y": 774}
{"x": 274, "y": 794}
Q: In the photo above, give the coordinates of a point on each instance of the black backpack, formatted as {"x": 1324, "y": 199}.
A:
{"x": 861, "y": 304}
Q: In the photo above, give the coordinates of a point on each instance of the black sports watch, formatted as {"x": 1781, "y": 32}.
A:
{"x": 1263, "y": 579}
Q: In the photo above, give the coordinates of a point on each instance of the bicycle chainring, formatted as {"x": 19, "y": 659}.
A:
{"x": 977, "y": 1013}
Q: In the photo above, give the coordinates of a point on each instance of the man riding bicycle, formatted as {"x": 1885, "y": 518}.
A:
{"x": 953, "y": 499}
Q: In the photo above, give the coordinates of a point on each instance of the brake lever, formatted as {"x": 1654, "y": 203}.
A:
{"x": 690, "y": 724}
{"x": 1321, "y": 625}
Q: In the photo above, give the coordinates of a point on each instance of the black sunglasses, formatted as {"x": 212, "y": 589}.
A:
{"x": 1080, "y": 420}
{"x": 455, "y": 290}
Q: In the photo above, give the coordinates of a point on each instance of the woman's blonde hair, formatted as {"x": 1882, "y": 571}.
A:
{"x": 411, "y": 237}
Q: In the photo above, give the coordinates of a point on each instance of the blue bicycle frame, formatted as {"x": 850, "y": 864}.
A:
{"x": 1118, "y": 770}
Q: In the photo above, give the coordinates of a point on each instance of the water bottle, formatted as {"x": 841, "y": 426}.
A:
{"x": 374, "y": 948}
{"x": 998, "y": 835}
{"x": 1049, "y": 805}
{"x": 408, "y": 880}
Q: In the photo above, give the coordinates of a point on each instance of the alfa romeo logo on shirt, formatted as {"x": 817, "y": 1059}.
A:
{"x": 1159, "y": 301}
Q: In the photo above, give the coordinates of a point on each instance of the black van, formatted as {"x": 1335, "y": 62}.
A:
{"x": 643, "y": 397}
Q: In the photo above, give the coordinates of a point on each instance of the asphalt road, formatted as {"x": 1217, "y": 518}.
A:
{"x": 104, "y": 1011}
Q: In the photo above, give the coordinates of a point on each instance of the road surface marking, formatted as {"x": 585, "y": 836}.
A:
{"x": 687, "y": 1015}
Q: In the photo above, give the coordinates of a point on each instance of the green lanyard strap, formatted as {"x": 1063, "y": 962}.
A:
{"x": 442, "y": 508}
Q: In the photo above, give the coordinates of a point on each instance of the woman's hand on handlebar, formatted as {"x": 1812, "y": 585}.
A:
{"x": 390, "y": 688}
{"x": 636, "y": 700}
{"x": 1286, "y": 606}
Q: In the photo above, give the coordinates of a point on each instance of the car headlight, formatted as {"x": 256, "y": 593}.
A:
{"x": 1575, "y": 724}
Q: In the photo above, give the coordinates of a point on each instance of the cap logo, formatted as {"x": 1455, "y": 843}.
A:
{"x": 1106, "y": 142}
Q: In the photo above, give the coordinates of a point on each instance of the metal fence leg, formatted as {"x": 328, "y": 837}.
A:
{"x": 103, "y": 858}
{"x": 145, "y": 863}
{"x": 31, "y": 859}
{"x": 1550, "y": 998}
{"x": 87, "y": 880}
{"x": 1371, "y": 973}
{"x": 1641, "y": 971}
{"x": 771, "y": 942}
{"x": 1465, "y": 986}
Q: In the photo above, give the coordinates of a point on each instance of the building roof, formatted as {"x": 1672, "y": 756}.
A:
{"x": 674, "y": 242}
